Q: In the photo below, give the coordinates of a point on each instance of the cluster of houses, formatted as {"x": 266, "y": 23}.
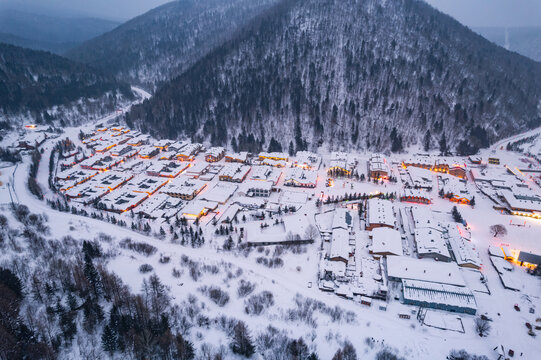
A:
{"x": 509, "y": 190}
{"x": 395, "y": 245}
{"x": 127, "y": 171}
{"x": 429, "y": 277}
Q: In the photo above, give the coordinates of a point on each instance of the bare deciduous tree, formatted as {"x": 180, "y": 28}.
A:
{"x": 482, "y": 326}
{"x": 311, "y": 232}
{"x": 498, "y": 230}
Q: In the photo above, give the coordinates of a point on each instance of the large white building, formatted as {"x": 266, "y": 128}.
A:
{"x": 431, "y": 242}
{"x": 380, "y": 214}
{"x": 385, "y": 241}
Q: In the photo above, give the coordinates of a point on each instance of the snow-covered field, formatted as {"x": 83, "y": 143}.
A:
{"x": 296, "y": 280}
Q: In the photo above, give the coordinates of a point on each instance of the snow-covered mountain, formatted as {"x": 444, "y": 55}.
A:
{"x": 163, "y": 42}
{"x": 346, "y": 73}
{"x": 32, "y": 82}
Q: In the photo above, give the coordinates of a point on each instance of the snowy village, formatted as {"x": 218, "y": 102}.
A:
{"x": 445, "y": 242}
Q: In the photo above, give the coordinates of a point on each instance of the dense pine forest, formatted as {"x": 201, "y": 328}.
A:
{"x": 346, "y": 73}
{"x": 36, "y": 80}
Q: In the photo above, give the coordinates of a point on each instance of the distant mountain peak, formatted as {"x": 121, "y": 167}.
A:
{"x": 162, "y": 43}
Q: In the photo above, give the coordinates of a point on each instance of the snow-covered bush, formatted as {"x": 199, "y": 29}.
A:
{"x": 464, "y": 355}
{"x": 103, "y": 237}
{"x": 256, "y": 304}
{"x": 164, "y": 259}
{"x": 145, "y": 268}
{"x": 226, "y": 324}
{"x": 138, "y": 247}
{"x": 270, "y": 262}
{"x": 387, "y": 354}
{"x": 195, "y": 273}
{"x": 245, "y": 288}
{"x": 217, "y": 295}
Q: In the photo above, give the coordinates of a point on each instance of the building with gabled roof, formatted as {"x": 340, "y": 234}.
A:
{"x": 380, "y": 214}
{"x": 277, "y": 156}
{"x": 341, "y": 219}
{"x": 419, "y": 161}
{"x": 423, "y": 217}
{"x": 258, "y": 188}
{"x": 341, "y": 162}
{"x": 464, "y": 251}
{"x": 188, "y": 152}
{"x": 184, "y": 188}
{"x": 215, "y": 154}
{"x": 408, "y": 268}
{"x": 122, "y": 201}
{"x": 439, "y": 296}
{"x": 266, "y": 173}
{"x": 146, "y": 184}
{"x": 240, "y": 157}
{"x": 234, "y": 172}
{"x": 220, "y": 193}
{"x": 415, "y": 195}
{"x": 385, "y": 242}
{"x": 300, "y": 177}
{"x": 162, "y": 144}
{"x": 340, "y": 249}
{"x": 197, "y": 169}
{"x": 307, "y": 160}
{"x": 170, "y": 170}
{"x": 431, "y": 242}
{"x": 148, "y": 151}
{"x": 378, "y": 168}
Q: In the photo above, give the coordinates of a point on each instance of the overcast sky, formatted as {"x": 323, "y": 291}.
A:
{"x": 492, "y": 12}
{"x": 470, "y": 12}
{"x": 110, "y": 9}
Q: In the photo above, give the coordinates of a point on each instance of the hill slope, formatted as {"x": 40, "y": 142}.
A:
{"x": 35, "y": 80}
{"x": 525, "y": 41}
{"x": 163, "y": 42}
{"x": 57, "y": 48}
{"x": 46, "y": 32}
{"x": 345, "y": 73}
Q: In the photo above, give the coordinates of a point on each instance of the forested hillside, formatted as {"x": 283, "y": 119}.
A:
{"x": 32, "y": 81}
{"x": 163, "y": 42}
{"x": 346, "y": 73}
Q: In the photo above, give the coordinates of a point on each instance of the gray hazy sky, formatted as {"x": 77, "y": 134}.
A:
{"x": 474, "y": 13}
{"x": 110, "y": 9}
{"x": 470, "y": 12}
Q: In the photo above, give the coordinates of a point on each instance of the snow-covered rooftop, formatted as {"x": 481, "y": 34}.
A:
{"x": 380, "y": 212}
{"x": 431, "y": 242}
{"x": 386, "y": 241}
{"x": 402, "y": 267}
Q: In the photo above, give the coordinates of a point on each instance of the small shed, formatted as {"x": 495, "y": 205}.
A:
{"x": 366, "y": 301}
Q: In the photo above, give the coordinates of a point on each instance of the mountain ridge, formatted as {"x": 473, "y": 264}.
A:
{"x": 34, "y": 81}
{"x": 160, "y": 44}
{"x": 303, "y": 78}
